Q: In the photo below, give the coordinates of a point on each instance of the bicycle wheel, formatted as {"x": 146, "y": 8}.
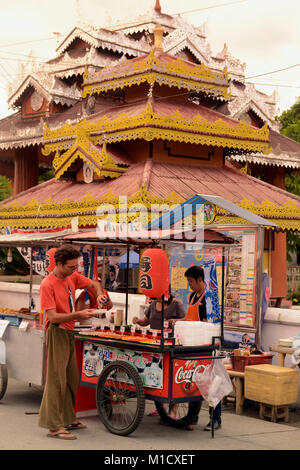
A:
{"x": 120, "y": 398}
{"x": 3, "y": 380}
{"x": 180, "y": 414}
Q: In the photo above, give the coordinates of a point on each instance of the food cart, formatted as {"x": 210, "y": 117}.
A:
{"x": 122, "y": 367}
{"x": 126, "y": 365}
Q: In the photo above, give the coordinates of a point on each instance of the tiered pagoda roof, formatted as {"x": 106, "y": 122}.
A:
{"x": 88, "y": 49}
{"x": 105, "y": 141}
{"x": 53, "y": 205}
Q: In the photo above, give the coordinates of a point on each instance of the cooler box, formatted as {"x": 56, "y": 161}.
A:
{"x": 272, "y": 385}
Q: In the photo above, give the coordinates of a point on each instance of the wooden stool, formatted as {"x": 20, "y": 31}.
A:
{"x": 274, "y": 412}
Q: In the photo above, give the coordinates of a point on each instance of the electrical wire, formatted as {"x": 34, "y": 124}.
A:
{"x": 276, "y": 84}
{"x": 274, "y": 71}
{"x": 26, "y": 42}
{"x": 208, "y": 8}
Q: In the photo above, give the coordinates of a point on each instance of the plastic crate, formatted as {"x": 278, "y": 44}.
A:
{"x": 240, "y": 362}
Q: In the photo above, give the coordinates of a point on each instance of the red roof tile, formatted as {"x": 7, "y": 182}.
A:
{"x": 164, "y": 179}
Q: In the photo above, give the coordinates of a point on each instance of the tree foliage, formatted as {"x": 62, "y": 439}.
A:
{"x": 5, "y": 187}
{"x": 290, "y": 122}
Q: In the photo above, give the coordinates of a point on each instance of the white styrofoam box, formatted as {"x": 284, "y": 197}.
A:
{"x": 286, "y": 315}
{"x": 196, "y": 333}
{"x": 272, "y": 314}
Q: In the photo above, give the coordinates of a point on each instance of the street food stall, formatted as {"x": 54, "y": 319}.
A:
{"x": 120, "y": 365}
{"x": 125, "y": 365}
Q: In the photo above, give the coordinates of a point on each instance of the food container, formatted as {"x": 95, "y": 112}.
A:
{"x": 119, "y": 317}
{"x": 195, "y": 333}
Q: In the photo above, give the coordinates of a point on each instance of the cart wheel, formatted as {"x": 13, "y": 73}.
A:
{"x": 178, "y": 415}
{"x": 120, "y": 398}
{"x": 3, "y": 380}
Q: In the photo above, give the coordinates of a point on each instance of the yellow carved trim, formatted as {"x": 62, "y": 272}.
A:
{"x": 288, "y": 209}
{"x": 100, "y": 160}
{"x": 152, "y": 69}
{"x": 53, "y": 214}
{"x": 149, "y": 126}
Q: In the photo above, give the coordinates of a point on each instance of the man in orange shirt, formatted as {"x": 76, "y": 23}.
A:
{"x": 57, "y": 294}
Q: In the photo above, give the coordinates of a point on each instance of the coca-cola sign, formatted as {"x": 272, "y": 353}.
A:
{"x": 187, "y": 375}
{"x": 184, "y": 374}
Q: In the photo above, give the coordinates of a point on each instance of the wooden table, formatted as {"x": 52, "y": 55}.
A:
{"x": 238, "y": 385}
{"x": 282, "y": 352}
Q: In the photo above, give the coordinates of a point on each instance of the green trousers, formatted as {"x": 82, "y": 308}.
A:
{"x": 62, "y": 379}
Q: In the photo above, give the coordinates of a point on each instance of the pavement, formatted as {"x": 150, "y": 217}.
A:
{"x": 19, "y": 430}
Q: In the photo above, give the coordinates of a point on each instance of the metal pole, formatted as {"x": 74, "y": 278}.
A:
{"x": 162, "y": 341}
{"x": 30, "y": 280}
{"x": 258, "y": 290}
{"x": 127, "y": 280}
{"x": 223, "y": 295}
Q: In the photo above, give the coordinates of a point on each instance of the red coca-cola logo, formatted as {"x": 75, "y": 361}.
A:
{"x": 185, "y": 374}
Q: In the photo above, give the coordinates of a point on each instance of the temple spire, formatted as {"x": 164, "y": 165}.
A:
{"x": 158, "y": 37}
{"x": 157, "y": 7}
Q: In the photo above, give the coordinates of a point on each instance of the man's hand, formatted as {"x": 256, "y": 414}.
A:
{"x": 102, "y": 300}
{"x": 85, "y": 314}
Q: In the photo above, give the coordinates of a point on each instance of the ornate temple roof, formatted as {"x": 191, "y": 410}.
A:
{"x": 55, "y": 203}
{"x": 47, "y": 86}
{"x": 285, "y": 153}
{"x": 87, "y": 48}
{"x": 158, "y": 67}
{"x": 158, "y": 119}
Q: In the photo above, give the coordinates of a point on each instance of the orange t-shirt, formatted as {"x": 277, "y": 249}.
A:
{"x": 55, "y": 293}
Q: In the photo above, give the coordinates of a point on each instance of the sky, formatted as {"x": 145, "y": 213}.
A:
{"x": 263, "y": 33}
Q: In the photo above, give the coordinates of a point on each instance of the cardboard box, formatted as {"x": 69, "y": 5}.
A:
{"x": 272, "y": 385}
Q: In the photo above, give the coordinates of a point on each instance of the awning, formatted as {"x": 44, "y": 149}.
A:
{"x": 189, "y": 207}
{"x": 32, "y": 239}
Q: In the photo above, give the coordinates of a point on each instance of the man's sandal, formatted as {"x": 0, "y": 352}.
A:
{"x": 77, "y": 425}
{"x": 65, "y": 435}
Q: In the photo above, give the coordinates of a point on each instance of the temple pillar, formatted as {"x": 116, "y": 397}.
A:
{"x": 276, "y": 177}
{"x": 278, "y": 267}
{"x": 26, "y": 169}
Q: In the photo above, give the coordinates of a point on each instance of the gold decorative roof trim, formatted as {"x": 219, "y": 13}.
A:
{"x": 53, "y": 214}
{"x": 175, "y": 73}
{"x": 149, "y": 126}
{"x": 100, "y": 160}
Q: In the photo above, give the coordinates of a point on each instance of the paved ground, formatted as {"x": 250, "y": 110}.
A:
{"x": 19, "y": 430}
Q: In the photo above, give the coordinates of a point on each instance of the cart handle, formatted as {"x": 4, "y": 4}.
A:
{"x": 197, "y": 357}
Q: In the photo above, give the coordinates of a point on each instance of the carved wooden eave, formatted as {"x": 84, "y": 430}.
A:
{"x": 160, "y": 120}
{"x": 115, "y": 41}
{"x": 264, "y": 106}
{"x": 160, "y": 68}
{"x": 285, "y": 160}
{"x": 285, "y": 153}
{"x": 251, "y": 106}
{"x": 51, "y": 88}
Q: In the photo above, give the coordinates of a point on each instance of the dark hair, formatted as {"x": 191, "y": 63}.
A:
{"x": 195, "y": 272}
{"x": 64, "y": 253}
